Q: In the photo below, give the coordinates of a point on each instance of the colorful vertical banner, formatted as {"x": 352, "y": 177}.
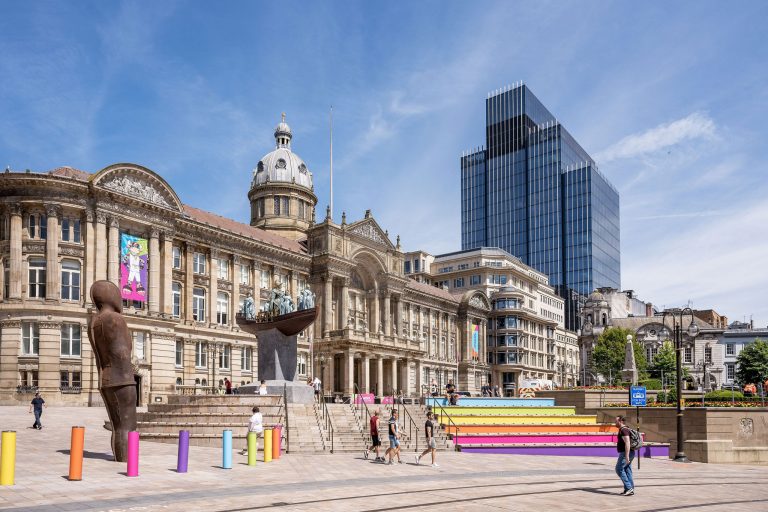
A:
{"x": 475, "y": 340}
{"x": 133, "y": 267}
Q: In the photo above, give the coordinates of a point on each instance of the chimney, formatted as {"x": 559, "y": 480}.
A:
{"x": 648, "y": 309}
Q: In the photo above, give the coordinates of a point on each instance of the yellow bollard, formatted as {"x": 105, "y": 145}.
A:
{"x": 267, "y": 445}
{"x": 8, "y": 457}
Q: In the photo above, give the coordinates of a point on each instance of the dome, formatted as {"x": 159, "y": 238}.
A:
{"x": 282, "y": 165}
{"x": 596, "y": 296}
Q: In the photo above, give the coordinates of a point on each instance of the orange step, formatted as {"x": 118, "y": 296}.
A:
{"x": 516, "y": 429}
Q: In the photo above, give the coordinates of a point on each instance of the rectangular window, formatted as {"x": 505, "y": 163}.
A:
{"x": 708, "y": 354}
{"x": 32, "y": 226}
{"x": 688, "y": 354}
{"x": 198, "y": 304}
{"x": 223, "y": 268}
{"x": 201, "y": 355}
{"x": 63, "y": 380}
{"x": 245, "y": 274}
{"x": 37, "y": 278}
{"x": 70, "y": 280}
{"x": 30, "y": 338}
{"x": 198, "y": 263}
{"x": 286, "y": 207}
{"x": 264, "y": 281}
{"x": 43, "y": 227}
{"x": 730, "y": 372}
{"x": 277, "y": 205}
{"x": 416, "y": 265}
{"x": 301, "y": 364}
{"x": 179, "y": 353}
{"x": 222, "y": 308}
{"x": 474, "y": 280}
{"x": 302, "y": 209}
{"x": 140, "y": 345}
{"x": 729, "y": 349}
{"x": 70, "y": 340}
{"x": 408, "y": 267}
{"x": 76, "y": 382}
{"x": 176, "y": 293}
{"x": 225, "y": 357}
{"x": 246, "y": 356}
{"x": 76, "y": 235}
{"x": 6, "y": 279}
{"x": 458, "y": 282}
{"x": 65, "y": 230}
{"x": 176, "y": 255}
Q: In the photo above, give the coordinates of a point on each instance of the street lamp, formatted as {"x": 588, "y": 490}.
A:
{"x": 693, "y": 331}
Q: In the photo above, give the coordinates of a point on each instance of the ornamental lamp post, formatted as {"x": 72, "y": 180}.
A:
{"x": 693, "y": 331}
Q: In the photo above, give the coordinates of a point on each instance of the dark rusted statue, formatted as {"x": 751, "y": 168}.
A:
{"x": 111, "y": 343}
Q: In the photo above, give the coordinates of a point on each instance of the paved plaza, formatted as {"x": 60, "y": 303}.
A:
{"x": 346, "y": 481}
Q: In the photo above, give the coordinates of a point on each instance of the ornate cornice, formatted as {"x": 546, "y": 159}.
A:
{"x": 10, "y": 324}
{"x": 101, "y": 217}
{"x": 49, "y": 325}
{"x": 52, "y": 210}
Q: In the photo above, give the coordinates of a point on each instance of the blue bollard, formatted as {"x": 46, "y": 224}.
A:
{"x": 226, "y": 460}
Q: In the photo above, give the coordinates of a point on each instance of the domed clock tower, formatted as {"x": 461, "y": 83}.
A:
{"x": 282, "y": 195}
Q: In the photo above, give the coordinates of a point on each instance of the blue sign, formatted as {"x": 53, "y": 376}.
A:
{"x": 637, "y": 396}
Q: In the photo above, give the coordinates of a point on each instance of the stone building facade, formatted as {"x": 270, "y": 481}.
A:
{"x": 64, "y": 229}
{"x": 702, "y": 356}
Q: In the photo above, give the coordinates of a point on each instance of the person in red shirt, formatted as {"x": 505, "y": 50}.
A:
{"x": 375, "y": 441}
{"x": 228, "y": 386}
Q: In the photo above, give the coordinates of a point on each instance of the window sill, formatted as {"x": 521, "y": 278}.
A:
{"x": 71, "y": 358}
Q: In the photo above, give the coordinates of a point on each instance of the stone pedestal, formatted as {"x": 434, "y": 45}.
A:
{"x": 277, "y": 366}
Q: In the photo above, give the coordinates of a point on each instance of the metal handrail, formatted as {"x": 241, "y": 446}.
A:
{"x": 412, "y": 425}
{"x": 287, "y": 430}
{"x": 367, "y": 420}
{"x": 327, "y": 419}
{"x": 450, "y": 421}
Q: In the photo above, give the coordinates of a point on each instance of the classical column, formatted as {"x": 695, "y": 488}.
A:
{"x": 388, "y": 314}
{"x": 189, "y": 281}
{"x": 52, "y": 274}
{"x": 329, "y": 384}
{"x": 375, "y": 321}
{"x": 344, "y": 308}
{"x": 113, "y": 251}
{"x": 100, "y": 258}
{"x": 294, "y": 291}
{"x": 15, "y": 277}
{"x": 90, "y": 253}
{"x": 398, "y": 314}
{"x": 213, "y": 293}
{"x": 395, "y": 383}
{"x": 10, "y": 335}
{"x": 167, "y": 280}
{"x": 380, "y": 375}
{"x": 349, "y": 373}
{"x": 408, "y": 370}
{"x": 432, "y": 352}
{"x": 154, "y": 270}
{"x": 420, "y": 377}
{"x": 235, "y": 299}
{"x": 327, "y": 305}
{"x": 365, "y": 386}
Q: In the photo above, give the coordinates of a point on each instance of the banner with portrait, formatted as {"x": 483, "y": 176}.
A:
{"x": 134, "y": 255}
{"x": 475, "y": 340}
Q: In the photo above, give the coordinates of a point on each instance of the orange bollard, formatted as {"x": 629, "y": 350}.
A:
{"x": 277, "y": 431}
{"x": 76, "y": 453}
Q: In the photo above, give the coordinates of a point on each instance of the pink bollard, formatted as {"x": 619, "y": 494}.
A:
{"x": 133, "y": 454}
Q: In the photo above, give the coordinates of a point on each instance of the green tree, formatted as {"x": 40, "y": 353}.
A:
{"x": 753, "y": 363}
{"x": 608, "y": 356}
{"x": 664, "y": 363}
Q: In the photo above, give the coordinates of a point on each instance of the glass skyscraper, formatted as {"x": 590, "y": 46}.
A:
{"x": 534, "y": 192}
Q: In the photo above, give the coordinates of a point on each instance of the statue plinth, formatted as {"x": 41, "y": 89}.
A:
{"x": 277, "y": 349}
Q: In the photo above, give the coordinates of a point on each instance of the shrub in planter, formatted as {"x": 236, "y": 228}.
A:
{"x": 669, "y": 396}
{"x": 651, "y": 384}
{"x": 723, "y": 394}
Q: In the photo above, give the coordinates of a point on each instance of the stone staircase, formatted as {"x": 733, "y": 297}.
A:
{"x": 206, "y": 417}
{"x": 348, "y": 433}
{"x": 304, "y": 430}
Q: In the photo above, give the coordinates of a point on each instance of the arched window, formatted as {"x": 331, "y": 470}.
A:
{"x": 197, "y": 382}
{"x": 205, "y": 382}
{"x": 178, "y": 381}
{"x": 605, "y": 318}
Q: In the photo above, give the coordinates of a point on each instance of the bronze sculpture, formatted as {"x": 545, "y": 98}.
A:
{"x": 111, "y": 344}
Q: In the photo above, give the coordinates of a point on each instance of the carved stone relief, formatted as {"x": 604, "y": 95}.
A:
{"x": 369, "y": 231}
{"x": 135, "y": 187}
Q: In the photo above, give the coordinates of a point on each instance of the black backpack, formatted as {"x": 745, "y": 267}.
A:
{"x": 635, "y": 440}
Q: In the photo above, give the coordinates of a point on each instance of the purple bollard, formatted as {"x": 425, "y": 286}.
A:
{"x": 133, "y": 454}
{"x": 183, "y": 459}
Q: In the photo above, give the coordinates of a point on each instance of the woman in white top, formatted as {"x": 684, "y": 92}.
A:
{"x": 255, "y": 424}
{"x": 263, "y": 388}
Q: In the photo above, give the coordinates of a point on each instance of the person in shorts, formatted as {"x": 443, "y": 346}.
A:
{"x": 429, "y": 431}
{"x": 375, "y": 440}
{"x": 394, "y": 439}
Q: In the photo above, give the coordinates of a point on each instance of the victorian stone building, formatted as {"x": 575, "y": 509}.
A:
{"x": 185, "y": 272}
{"x": 702, "y": 355}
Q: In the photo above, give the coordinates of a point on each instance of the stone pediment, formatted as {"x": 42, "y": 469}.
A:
{"x": 370, "y": 230}
{"x": 137, "y": 183}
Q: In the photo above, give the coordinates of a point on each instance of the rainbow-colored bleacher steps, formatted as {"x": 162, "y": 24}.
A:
{"x": 528, "y": 426}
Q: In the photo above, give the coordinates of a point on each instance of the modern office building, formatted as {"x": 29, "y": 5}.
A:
{"x": 533, "y": 191}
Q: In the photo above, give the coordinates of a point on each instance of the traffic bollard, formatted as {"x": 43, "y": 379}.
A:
{"x": 76, "y": 453}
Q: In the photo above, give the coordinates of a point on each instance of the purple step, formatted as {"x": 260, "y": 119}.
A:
{"x": 646, "y": 451}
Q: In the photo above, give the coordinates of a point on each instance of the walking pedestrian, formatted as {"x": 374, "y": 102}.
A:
{"x": 255, "y": 424}
{"x": 626, "y": 455}
{"x": 394, "y": 439}
{"x": 37, "y": 404}
{"x": 317, "y": 384}
{"x": 429, "y": 430}
{"x": 375, "y": 440}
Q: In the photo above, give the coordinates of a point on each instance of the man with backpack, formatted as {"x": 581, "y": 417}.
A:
{"x": 628, "y": 441}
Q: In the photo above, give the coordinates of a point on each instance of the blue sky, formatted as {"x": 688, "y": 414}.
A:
{"x": 669, "y": 97}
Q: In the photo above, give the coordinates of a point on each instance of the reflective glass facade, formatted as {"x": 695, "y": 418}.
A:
{"x": 534, "y": 192}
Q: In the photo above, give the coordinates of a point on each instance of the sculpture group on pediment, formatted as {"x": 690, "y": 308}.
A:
{"x": 137, "y": 188}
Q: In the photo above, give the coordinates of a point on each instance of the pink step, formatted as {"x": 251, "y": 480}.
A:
{"x": 534, "y": 439}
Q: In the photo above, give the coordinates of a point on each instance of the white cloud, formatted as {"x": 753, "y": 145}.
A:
{"x": 695, "y": 126}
